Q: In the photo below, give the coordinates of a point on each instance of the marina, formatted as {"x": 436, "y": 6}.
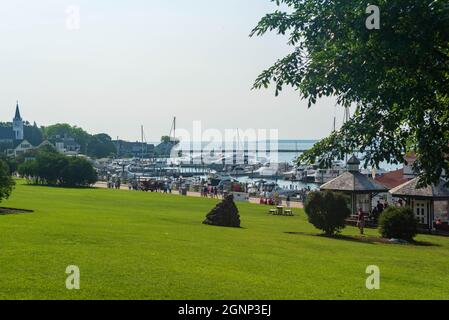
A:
{"x": 249, "y": 172}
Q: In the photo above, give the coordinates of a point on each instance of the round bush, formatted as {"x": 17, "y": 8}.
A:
{"x": 327, "y": 211}
{"x": 398, "y": 223}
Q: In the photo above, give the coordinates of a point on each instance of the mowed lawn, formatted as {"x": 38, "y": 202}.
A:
{"x": 133, "y": 245}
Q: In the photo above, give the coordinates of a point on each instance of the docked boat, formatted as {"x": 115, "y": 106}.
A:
{"x": 238, "y": 171}
{"x": 309, "y": 175}
{"x": 325, "y": 175}
{"x": 217, "y": 178}
{"x": 266, "y": 171}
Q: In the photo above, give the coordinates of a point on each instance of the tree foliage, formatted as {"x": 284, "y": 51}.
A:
{"x": 66, "y": 130}
{"x": 101, "y": 146}
{"x": 96, "y": 146}
{"x": 165, "y": 139}
{"x": 398, "y": 223}
{"x": 327, "y": 211}
{"x": 396, "y": 77}
{"x": 78, "y": 173}
{"x": 6, "y": 181}
{"x": 33, "y": 134}
{"x": 52, "y": 168}
{"x": 10, "y": 162}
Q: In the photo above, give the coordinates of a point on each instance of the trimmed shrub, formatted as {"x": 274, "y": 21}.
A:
{"x": 327, "y": 211}
{"x": 398, "y": 223}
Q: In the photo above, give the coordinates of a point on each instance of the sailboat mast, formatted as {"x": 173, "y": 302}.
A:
{"x": 118, "y": 147}
{"x": 141, "y": 133}
{"x": 174, "y": 128}
{"x": 346, "y": 119}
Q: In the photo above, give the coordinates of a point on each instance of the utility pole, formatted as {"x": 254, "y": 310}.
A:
{"x": 347, "y": 117}
{"x": 118, "y": 147}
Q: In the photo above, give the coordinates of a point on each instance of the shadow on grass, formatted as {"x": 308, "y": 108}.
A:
{"x": 8, "y": 211}
{"x": 366, "y": 239}
{"x": 424, "y": 244}
{"x": 340, "y": 237}
{"x": 223, "y": 227}
{"x": 57, "y": 186}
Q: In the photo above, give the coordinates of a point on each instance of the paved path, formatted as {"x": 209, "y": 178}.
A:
{"x": 293, "y": 204}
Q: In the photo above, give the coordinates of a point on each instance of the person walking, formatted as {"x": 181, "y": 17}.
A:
{"x": 380, "y": 207}
{"x": 361, "y": 221}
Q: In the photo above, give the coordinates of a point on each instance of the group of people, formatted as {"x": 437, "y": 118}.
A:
{"x": 166, "y": 187}
{"x": 377, "y": 210}
{"x": 210, "y": 191}
{"x": 114, "y": 183}
{"x": 275, "y": 200}
{"x": 373, "y": 216}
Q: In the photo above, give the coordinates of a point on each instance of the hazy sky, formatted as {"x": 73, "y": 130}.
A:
{"x": 139, "y": 62}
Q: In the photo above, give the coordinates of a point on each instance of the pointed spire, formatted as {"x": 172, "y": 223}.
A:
{"x": 17, "y": 116}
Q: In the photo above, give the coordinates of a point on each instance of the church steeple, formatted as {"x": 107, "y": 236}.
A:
{"x": 17, "y": 125}
{"x": 17, "y": 116}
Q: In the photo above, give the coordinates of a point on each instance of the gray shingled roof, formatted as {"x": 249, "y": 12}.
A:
{"x": 410, "y": 189}
{"x": 353, "y": 181}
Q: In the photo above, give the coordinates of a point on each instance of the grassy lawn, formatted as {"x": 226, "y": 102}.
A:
{"x": 132, "y": 245}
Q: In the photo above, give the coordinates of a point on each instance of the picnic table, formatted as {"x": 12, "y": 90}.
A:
{"x": 281, "y": 211}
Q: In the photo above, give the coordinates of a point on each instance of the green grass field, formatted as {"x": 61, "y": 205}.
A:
{"x": 132, "y": 245}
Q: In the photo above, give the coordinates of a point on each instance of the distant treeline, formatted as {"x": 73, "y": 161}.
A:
{"x": 95, "y": 146}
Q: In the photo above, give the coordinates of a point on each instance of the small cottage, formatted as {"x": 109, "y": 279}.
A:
{"x": 429, "y": 204}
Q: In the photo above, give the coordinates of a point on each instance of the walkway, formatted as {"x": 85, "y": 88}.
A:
{"x": 293, "y": 204}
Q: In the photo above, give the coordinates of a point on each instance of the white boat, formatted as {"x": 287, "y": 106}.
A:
{"x": 326, "y": 175}
{"x": 292, "y": 174}
{"x": 266, "y": 171}
{"x": 216, "y": 178}
{"x": 309, "y": 175}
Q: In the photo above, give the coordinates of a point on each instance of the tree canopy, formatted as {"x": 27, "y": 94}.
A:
{"x": 101, "y": 146}
{"x": 6, "y": 181}
{"x": 66, "y": 130}
{"x": 53, "y": 168}
{"x": 96, "y": 146}
{"x": 397, "y": 77}
{"x": 33, "y": 134}
{"x": 327, "y": 211}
